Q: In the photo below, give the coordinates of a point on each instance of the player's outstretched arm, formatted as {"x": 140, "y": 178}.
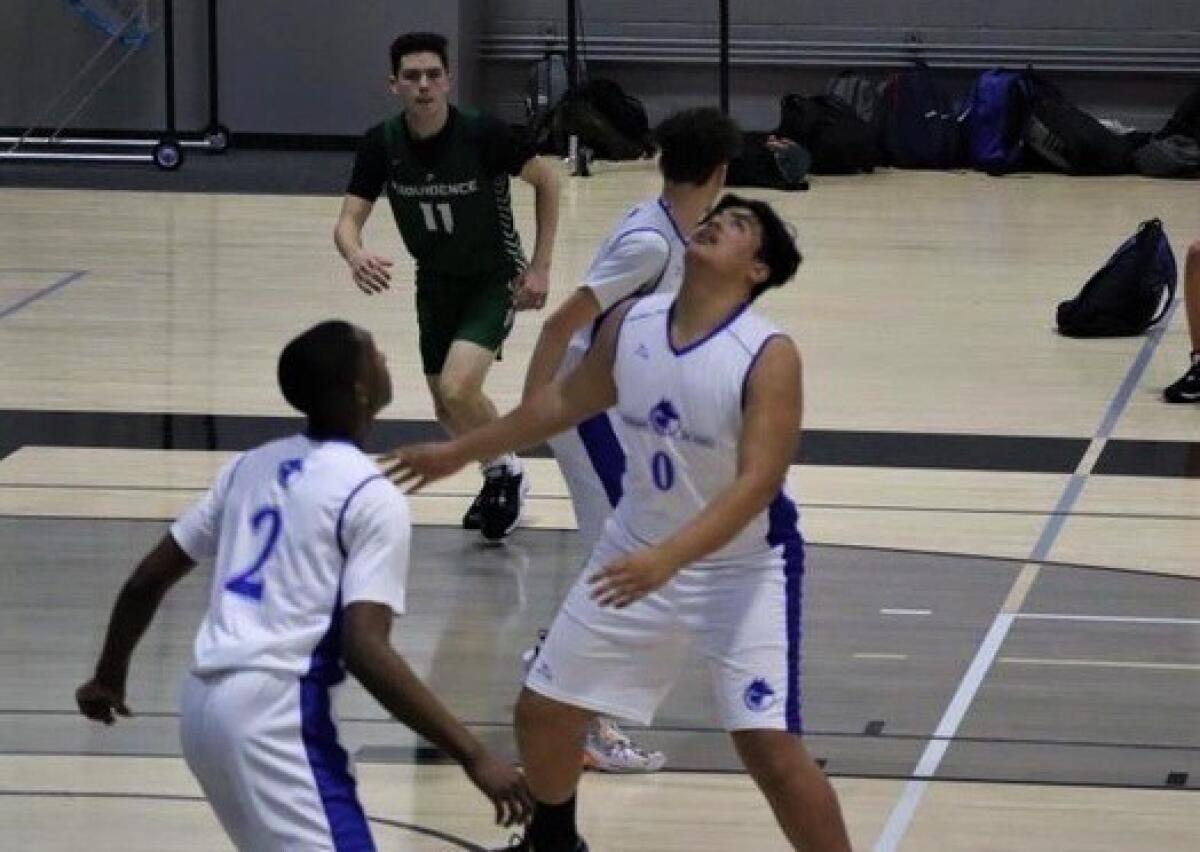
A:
{"x": 104, "y": 695}
{"x": 372, "y": 273}
{"x": 586, "y": 391}
{"x": 384, "y": 673}
{"x": 766, "y": 447}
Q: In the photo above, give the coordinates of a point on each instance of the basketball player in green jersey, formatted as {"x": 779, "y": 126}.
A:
{"x": 446, "y": 172}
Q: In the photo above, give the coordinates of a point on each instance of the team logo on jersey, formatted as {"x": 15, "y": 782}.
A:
{"x": 759, "y": 696}
{"x": 288, "y": 469}
{"x": 642, "y": 351}
{"x": 664, "y": 418}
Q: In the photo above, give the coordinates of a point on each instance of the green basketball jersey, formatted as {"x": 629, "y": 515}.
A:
{"x": 454, "y": 218}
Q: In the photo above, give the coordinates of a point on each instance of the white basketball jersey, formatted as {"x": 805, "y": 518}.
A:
{"x": 298, "y": 529}
{"x": 642, "y": 255}
{"x": 679, "y": 418}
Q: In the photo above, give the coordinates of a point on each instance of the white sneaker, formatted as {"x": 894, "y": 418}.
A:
{"x": 608, "y": 749}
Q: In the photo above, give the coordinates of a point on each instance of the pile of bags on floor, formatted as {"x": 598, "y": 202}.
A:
{"x": 1009, "y": 121}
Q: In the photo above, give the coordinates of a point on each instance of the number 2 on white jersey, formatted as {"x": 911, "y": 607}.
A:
{"x": 249, "y": 583}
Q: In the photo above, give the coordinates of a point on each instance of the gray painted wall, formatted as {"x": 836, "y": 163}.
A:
{"x": 320, "y": 67}
{"x": 1091, "y": 22}
{"x": 1125, "y": 59}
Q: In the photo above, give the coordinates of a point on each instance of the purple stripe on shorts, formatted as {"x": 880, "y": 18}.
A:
{"x": 784, "y": 530}
{"x": 605, "y": 453}
{"x": 330, "y": 767}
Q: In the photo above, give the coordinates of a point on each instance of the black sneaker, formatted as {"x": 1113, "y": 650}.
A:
{"x": 502, "y": 500}
{"x": 473, "y": 519}
{"x": 1187, "y": 389}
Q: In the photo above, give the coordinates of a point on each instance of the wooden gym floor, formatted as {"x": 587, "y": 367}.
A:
{"x": 1002, "y": 616}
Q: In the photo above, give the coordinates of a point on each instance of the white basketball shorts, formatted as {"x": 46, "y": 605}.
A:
{"x": 265, "y": 750}
{"x": 744, "y": 620}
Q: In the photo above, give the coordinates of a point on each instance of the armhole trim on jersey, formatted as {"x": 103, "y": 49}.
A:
{"x": 346, "y": 505}
{"x": 599, "y": 321}
{"x": 621, "y": 328}
{"x": 753, "y": 361}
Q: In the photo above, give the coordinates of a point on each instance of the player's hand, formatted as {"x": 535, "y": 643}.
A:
{"x": 100, "y": 702}
{"x": 531, "y": 289}
{"x": 504, "y": 785}
{"x": 415, "y": 466}
{"x": 372, "y": 273}
{"x": 631, "y": 578}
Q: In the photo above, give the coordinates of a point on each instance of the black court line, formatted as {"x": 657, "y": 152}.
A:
{"x": 458, "y": 842}
{"x": 1150, "y": 458}
{"x": 926, "y": 450}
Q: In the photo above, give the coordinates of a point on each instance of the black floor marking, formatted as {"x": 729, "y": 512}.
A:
{"x": 853, "y": 448}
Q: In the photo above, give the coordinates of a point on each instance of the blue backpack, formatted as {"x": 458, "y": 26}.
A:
{"x": 996, "y": 110}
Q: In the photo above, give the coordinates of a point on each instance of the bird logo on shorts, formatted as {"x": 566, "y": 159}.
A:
{"x": 664, "y": 418}
{"x": 759, "y": 696}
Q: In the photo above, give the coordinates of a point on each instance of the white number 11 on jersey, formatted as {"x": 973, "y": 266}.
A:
{"x": 434, "y": 212}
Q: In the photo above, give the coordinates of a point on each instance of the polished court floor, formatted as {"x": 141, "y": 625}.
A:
{"x": 1002, "y": 615}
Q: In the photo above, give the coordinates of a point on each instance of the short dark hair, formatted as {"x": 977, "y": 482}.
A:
{"x": 778, "y": 245}
{"x": 317, "y": 371}
{"x": 418, "y": 43}
{"x": 695, "y": 143}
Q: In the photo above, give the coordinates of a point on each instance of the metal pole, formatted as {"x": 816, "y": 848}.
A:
{"x": 572, "y": 45}
{"x": 213, "y": 111}
{"x": 169, "y": 43}
{"x": 723, "y": 60}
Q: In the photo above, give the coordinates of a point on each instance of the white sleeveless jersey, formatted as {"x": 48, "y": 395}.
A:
{"x": 297, "y": 529}
{"x": 679, "y": 418}
{"x": 642, "y": 255}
